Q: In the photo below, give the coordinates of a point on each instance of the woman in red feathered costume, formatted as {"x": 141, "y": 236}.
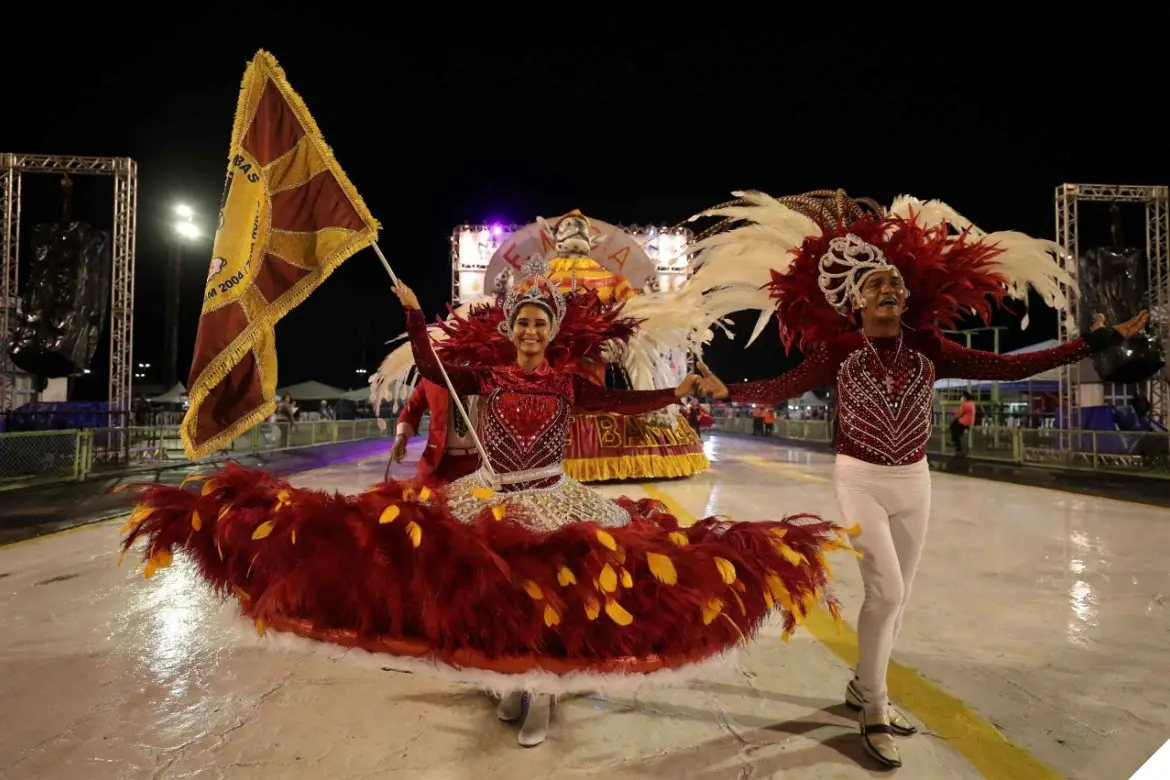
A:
{"x": 867, "y": 293}
{"x": 516, "y": 578}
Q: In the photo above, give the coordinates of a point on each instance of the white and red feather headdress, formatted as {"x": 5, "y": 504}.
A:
{"x": 799, "y": 256}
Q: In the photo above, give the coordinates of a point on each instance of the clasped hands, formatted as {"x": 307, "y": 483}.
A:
{"x": 703, "y": 383}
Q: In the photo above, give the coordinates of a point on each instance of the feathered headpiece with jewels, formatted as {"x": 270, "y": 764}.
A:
{"x": 533, "y": 288}
{"x": 807, "y": 255}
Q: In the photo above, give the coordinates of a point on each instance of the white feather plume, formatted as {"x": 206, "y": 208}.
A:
{"x": 728, "y": 273}
{"x": 1032, "y": 262}
{"x": 1026, "y": 262}
{"x": 933, "y": 213}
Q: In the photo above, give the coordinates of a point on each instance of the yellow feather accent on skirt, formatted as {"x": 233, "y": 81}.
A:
{"x": 662, "y": 568}
{"x": 415, "y": 533}
{"x": 617, "y": 613}
{"x": 726, "y": 570}
{"x": 608, "y": 579}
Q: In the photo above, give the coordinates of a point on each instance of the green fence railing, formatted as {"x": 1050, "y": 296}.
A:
{"x": 45, "y": 457}
{"x": 1120, "y": 452}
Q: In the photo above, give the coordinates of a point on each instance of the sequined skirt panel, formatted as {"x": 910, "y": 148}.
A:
{"x": 549, "y": 508}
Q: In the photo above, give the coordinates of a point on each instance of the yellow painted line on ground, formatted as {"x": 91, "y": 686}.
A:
{"x": 685, "y": 518}
{"x": 982, "y": 744}
{"x": 785, "y": 469}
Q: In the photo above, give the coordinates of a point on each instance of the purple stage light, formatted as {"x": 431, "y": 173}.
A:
{"x": 497, "y": 230}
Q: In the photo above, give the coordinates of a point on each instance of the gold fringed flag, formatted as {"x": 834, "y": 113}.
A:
{"x": 289, "y": 216}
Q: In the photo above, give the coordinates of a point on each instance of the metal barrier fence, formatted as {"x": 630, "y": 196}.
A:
{"x": 1136, "y": 453}
{"x": 43, "y": 457}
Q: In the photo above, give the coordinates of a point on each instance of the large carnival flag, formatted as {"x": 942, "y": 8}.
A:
{"x": 289, "y": 216}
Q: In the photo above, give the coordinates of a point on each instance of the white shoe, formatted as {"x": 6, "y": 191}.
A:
{"x": 536, "y": 718}
{"x": 511, "y": 707}
{"x": 898, "y": 722}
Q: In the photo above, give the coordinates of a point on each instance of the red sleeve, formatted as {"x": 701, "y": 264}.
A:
{"x": 596, "y": 398}
{"x": 412, "y": 413}
{"x": 465, "y": 380}
{"x": 957, "y": 362}
{"x": 817, "y": 370}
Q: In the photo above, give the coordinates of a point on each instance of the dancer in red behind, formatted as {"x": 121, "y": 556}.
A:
{"x": 450, "y": 452}
{"x": 516, "y": 578}
{"x": 866, "y": 294}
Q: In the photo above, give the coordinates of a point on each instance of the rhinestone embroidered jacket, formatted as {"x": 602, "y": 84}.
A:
{"x": 524, "y": 417}
{"x": 885, "y": 387}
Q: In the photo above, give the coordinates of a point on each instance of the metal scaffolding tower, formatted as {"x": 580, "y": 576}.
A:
{"x": 125, "y": 174}
{"x": 1157, "y": 207}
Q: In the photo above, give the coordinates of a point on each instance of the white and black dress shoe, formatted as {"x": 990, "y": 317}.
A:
{"x": 899, "y": 723}
{"x": 877, "y": 736}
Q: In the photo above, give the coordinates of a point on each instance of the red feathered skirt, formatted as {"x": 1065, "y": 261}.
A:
{"x": 485, "y": 589}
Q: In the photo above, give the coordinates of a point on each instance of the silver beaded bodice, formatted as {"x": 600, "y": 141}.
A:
{"x": 883, "y": 405}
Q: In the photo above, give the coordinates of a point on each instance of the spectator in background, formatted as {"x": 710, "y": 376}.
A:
{"x": 757, "y": 421}
{"x": 964, "y": 419}
{"x": 769, "y": 420}
{"x": 286, "y": 414}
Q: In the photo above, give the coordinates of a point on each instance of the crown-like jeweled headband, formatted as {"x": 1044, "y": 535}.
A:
{"x": 842, "y": 288}
{"x": 532, "y": 273}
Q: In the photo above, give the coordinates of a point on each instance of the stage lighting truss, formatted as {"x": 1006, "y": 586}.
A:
{"x": 124, "y": 172}
{"x": 1156, "y": 201}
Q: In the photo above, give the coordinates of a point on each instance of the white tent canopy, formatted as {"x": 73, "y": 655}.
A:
{"x": 172, "y": 396}
{"x": 808, "y": 399}
{"x": 311, "y": 391}
{"x": 357, "y": 394}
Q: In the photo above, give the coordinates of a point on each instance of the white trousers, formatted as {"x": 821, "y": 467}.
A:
{"x": 891, "y": 504}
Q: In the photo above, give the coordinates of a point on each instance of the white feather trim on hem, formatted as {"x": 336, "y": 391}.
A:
{"x": 495, "y": 682}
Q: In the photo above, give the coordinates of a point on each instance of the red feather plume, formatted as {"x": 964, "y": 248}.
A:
{"x": 949, "y": 278}
{"x": 587, "y": 326}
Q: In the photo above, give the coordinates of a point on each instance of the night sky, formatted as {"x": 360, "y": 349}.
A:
{"x": 462, "y": 119}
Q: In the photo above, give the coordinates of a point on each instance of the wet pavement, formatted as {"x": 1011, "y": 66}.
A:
{"x": 36, "y": 511}
{"x": 1039, "y": 627}
{"x": 1152, "y": 490}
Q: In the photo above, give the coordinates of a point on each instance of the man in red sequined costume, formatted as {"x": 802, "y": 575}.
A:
{"x": 848, "y": 295}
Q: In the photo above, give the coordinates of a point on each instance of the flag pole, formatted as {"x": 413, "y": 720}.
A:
{"x": 450, "y": 386}
{"x": 385, "y": 264}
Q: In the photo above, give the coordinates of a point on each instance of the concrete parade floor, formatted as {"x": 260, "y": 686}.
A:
{"x": 1035, "y": 646}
